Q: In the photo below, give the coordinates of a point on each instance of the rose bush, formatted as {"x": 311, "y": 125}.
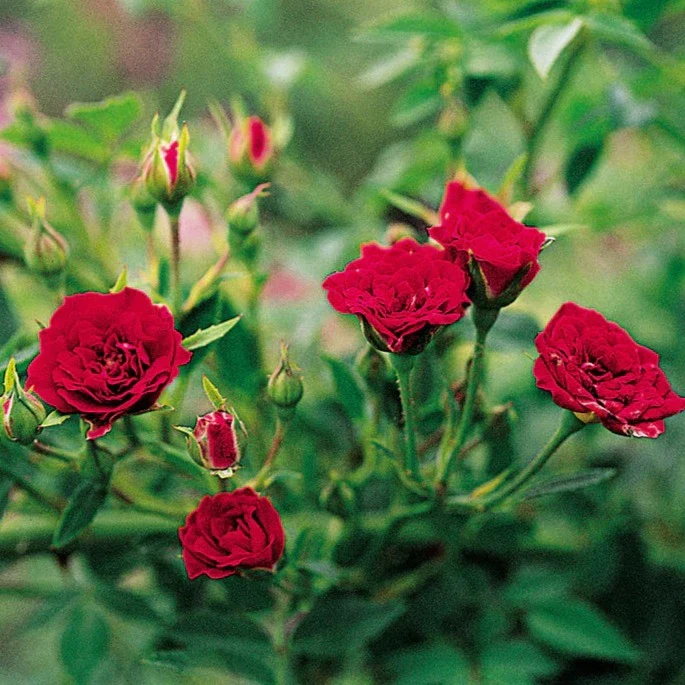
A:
{"x": 104, "y": 355}
{"x": 403, "y": 293}
{"x": 232, "y": 532}
{"x": 592, "y": 366}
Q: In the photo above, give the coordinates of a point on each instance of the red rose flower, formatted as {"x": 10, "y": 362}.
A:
{"x": 232, "y": 532}
{"x": 216, "y": 440}
{"x": 476, "y": 228}
{"x": 106, "y": 355}
{"x": 402, "y": 294}
{"x": 591, "y": 365}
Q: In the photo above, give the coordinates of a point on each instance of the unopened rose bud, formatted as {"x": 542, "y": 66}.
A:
{"x": 214, "y": 443}
{"x": 243, "y": 214}
{"x": 250, "y": 149}
{"x": 22, "y": 411}
{"x": 285, "y": 387}
{"x": 46, "y": 251}
{"x": 167, "y": 171}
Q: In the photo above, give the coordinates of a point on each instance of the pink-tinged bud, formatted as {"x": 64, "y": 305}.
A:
{"x": 214, "y": 443}
{"x": 22, "y": 411}
{"x": 167, "y": 170}
{"x": 250, "y": 148}
{"x": 46, "y": 251}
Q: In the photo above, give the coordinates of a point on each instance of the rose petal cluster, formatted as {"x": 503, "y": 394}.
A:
{"x": 402, "y": 294}
{"x": 216, "y": 440}
{"x": 232, "y": 532}
{"x": 593, "y": 367}
{"x": 105, "y": 355}
{"x": 477, "y": 229}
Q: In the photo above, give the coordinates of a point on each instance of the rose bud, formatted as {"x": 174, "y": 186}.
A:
{"x": 105, "y": 355}
{"x": 214, "y": 443}
{"x": 22, "y": 411}
{"x": 593, "y": 368}
{"x": 285, "y": 387}
{"x": 243, "y": 214}
{"x": 402, "y": 294}
{"x": 46, "y": 252}
{"x": 501, "y": 253}
{"x": 230, "y": 533}
{"x": 250, "y": 149}
{"x": 167, "y": 170}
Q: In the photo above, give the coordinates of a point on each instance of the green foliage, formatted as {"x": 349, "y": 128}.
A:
{"x": 571, "y": 107}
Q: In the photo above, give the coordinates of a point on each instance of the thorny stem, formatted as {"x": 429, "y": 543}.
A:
{"x": 175, "y": 260}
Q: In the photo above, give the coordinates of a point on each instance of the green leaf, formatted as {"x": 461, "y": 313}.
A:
{"x": 72, "y": 139}
{"x": 206, "y": 336}
{"x": 348, "y": 390}
{"x": 516, "y": 662}
{"x": 548, "y": 41}
{"x": 121, "y": 282}
{"x": 83, "y": 505}
{"x": 176, "y": 458}
{"x": 111, "y": 117}
{"x": 54, "y": 418}
{"x": 389, "y": 69}
{"x": 411, "y": 207}
{"x": 343, "y": 623}
{"x": 415, "y": 24}
{"x": 580, "y": 164}
{"x": 578, "y": 629}
{"x": 10, "y": 376}
{"x": 429, "y": 665}
{"x": 574, "y": 481}
{"x": 85, "y": 642}
{"x": 618, "y": 30}
{"x": 213, "y": 394}
{"x": 416, "y": 104}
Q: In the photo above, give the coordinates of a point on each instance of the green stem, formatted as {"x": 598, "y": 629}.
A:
{"x": 279, "y": 434}
{"x": 27, "y": 487}
{"x": 535, "y": 137}
{"x": 32, "y": 534}
{"x": 175, "y": 260}
{"x": 484, "y": 320}
{"x": 568, "y": 426}
{"x": 403, "y": 365}
{"x": 51, "y": 451}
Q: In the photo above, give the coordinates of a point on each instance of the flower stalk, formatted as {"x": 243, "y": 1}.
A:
{"x": 403, "y": 364}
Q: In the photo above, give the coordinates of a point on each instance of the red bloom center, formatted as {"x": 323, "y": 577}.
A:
{"x": 170, "y": 154}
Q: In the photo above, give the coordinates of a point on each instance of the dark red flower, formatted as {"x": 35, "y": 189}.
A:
{"x": 404, "y": 293}
{"x": 105, "y": 355}
{"x": 217, "y": 442}
{"x": 476, "y": 228}
{"x": 592, "y": 366}
{"x": 232, "y": 532}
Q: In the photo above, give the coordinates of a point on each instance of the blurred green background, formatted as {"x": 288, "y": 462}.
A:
{"x": 378, "y": 106}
